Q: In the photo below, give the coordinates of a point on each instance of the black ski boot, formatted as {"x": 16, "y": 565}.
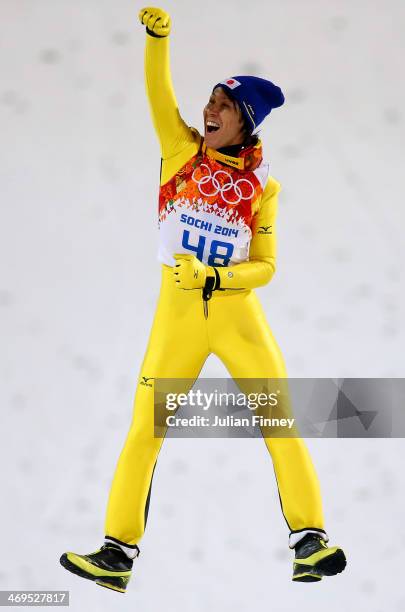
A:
{"x": 314, "y": 559}
{"x": 108, "y": 566}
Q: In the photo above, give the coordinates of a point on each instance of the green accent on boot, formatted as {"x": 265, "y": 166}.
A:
{"x": 108, "y": 567}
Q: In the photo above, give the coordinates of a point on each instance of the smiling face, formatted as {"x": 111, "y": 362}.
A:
{"x": 223, "y": 121}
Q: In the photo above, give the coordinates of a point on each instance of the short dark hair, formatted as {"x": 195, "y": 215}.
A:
{"x": 248, "y": 137}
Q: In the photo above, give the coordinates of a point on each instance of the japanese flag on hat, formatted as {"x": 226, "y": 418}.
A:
{"x": 231, "y": 83}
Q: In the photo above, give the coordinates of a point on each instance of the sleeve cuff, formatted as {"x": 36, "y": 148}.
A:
{"x": 217, "y": 280}
{"x": 155, "y": 35}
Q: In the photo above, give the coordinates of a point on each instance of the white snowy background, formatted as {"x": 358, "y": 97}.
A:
{"x": 79, "y": 282}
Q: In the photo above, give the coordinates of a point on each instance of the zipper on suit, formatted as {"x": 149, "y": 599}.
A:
{"x": 210, "y": 283}
{"x": 206, "y": 295}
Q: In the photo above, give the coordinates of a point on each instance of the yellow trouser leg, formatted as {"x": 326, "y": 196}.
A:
{"x": 242, "y": 339}
{"x": 177, "y": 348}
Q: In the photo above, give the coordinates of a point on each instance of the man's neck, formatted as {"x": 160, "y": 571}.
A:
{"x": 232, "y": 150}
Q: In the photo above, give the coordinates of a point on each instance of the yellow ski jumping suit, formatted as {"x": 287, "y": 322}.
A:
{"x": 202, "y": 209}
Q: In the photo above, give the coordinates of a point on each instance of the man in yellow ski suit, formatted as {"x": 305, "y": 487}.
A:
{"x": 217, "y": 243}
{"x": 233, "y": 326}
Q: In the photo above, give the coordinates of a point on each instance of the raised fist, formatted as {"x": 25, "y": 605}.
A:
{"x": 156, "y": 20}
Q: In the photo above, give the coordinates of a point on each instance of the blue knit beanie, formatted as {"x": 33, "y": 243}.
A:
{"x": 256, "y": 97}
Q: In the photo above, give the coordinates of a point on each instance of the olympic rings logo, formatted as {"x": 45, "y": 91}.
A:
{"x": 223, "y": 189}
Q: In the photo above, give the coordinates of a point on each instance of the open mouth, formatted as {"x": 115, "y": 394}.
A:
{"x": 212, "y": 126}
